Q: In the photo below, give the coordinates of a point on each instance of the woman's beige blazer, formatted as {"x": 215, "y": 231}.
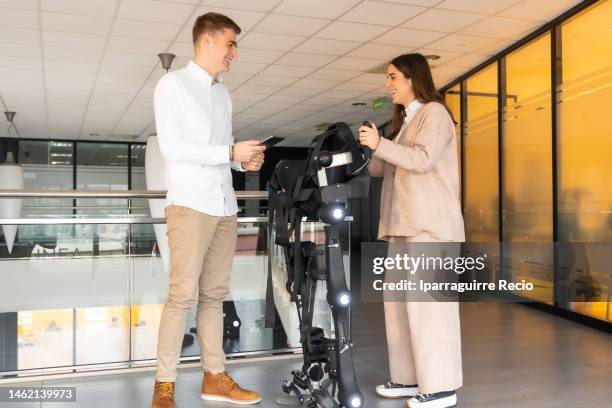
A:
{"x": 420, "y": 191}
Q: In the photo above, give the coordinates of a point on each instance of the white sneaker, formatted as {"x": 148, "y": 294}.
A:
{"x": 393, "y": 390}
{"x": 444, "y": 399}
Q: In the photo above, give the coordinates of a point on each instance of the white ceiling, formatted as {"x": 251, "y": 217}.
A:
{"x": 75, "y": 69}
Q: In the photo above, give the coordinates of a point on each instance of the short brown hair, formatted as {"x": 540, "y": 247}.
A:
{"x": 212, "y": 22}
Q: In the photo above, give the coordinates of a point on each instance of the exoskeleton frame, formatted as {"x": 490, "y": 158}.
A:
{"x": 318, "y": 189}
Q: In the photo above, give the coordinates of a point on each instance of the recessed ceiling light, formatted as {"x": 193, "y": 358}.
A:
{"x": 359, "y": 104}
{"x": 123, "y": 137}
{"x": 432, "y": 57}
{"x": 61, "y": 144}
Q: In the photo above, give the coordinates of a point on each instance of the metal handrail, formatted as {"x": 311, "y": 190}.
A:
{"x": 240, "y": 195}
{"x": 117, "y": 220}
{"x": 102, "y": 207}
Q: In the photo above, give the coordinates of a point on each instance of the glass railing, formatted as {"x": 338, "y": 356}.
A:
{"x": 83, "y": 288}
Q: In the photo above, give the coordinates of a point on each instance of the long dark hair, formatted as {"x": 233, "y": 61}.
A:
{"x": 415, "y": 66}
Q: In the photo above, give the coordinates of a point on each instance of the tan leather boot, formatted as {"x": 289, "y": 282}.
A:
{"x": 221, "y": 387}
{"x": 163, "y": 396}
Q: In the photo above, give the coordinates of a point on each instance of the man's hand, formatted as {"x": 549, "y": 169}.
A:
{"x": 247, "y": 151}
{"x": 255, "y": 164}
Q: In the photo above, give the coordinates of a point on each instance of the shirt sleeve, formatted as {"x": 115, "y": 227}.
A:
{"x": 173, "y": 143}
{"x": 234, "y": 164}
{"x": 421, "y": 157}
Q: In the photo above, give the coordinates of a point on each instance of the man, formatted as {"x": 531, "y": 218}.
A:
{"x": 193, "y": 118}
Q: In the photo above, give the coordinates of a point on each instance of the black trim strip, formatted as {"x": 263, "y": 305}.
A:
{"x": 129, "y": 166}
{"x": 556, "y": 81}
{"x": 501, "y": 106}
{"x": 462, "y": 123}
{"x": 559, "y": 299}
{"x": 74, "y": 176}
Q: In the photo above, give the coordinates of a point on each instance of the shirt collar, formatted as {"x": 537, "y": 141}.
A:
{"x": 413, "y": 106}
{"x": 201, "y": 74}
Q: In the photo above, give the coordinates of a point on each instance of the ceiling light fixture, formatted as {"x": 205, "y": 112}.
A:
{"x": 9, "y": 116}
{"x": 166, "y": 60}
{"x": 432, "y": 57}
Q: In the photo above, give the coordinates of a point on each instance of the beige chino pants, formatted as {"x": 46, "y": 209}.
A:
{"x": 423, "y": 338}
{"x": 201, "y": 253}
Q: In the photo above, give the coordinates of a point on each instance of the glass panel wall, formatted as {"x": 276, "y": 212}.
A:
{"x": 102, "y": 166}
{"x": 45, "y": 338}
{"x": 96, "y": 294}
{"x": 527, "y": 167}
{"x": 102, "y": 335}
{"x": 574, "y": 276}
{"x": 481, "y": 164}
{"x": 47, "y": 165}
{"x": 585, "y": 130}
{"x": 452, "y": 98}
{"x": 527, "y": 144}
{"x": 584, "y": 150}
{"x": 77, "y": 309}
{"x": 139, "y": 181}
{"x": 143, "y": 237}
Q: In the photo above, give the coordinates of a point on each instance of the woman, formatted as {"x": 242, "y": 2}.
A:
{"x": 419, "y": 203}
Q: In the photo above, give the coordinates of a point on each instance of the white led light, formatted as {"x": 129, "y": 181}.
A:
{"x": 338, "y": 213}
{"x": 236, "y": 323}
{"x": 355, "y": 402}
{"x": 345, "y": 299}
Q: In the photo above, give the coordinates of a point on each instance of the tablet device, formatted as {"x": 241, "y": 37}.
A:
{"x": 271, "y": 141}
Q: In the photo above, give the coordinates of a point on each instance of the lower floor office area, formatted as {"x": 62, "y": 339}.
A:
{"x": 513, "y": 356}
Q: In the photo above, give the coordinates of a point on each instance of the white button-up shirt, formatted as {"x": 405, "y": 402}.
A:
{"x": 411, "y": 110}
{"x": 193, "y": 117}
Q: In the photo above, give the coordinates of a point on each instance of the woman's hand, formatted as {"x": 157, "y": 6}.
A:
{"x": 368, "y": 136}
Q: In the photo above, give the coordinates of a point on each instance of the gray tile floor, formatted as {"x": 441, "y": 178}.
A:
{"x": 513, "y": 357}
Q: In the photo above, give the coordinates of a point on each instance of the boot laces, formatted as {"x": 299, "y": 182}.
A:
{"x": 166, "y": 390}
{"x": 228, "y": 379}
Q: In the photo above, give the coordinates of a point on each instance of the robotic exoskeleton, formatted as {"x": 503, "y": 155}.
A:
{"x": 318, "y": 189}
